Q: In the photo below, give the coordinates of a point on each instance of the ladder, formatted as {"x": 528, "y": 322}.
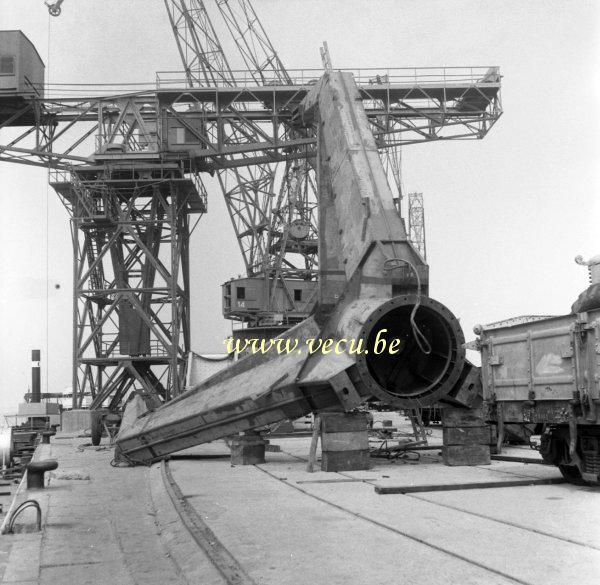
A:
{"x": 419, "y": 432}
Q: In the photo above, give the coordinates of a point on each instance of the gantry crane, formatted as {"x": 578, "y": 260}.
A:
{"x": 273, "y": 214}
{"x": 133, "y": 199}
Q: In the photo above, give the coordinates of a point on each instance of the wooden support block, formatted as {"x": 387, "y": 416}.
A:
{"x": 273, "y": 448}
{"x": 466, "y": 435}
{"x": 247, "y": 450}
{"x": 337, "y": 422}
{"x": 455, "y": 455}
{"x": 462, "y": 417}
{"x": 345, "y": 460}
{"x": 345, "y": 441}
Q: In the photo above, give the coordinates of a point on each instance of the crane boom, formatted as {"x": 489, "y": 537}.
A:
{"x": 259, "y": 55}
{"x": 201, "y": 53}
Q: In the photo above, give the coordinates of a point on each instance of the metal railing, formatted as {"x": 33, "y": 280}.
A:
{"x": 111, "y": 350}
{"x": 59, "y": 176}
{"x": 421, "y": 76}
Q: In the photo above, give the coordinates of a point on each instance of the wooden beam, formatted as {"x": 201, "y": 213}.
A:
{"x": 412, "y": 489}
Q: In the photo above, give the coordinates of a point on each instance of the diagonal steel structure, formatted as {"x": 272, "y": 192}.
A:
{"x": 199, "y": 47}
{"x": 365, "y": 254}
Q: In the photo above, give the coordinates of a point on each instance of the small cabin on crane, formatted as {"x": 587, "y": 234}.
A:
{"x": 21, "y": 67}
{"x": 249, "y": 299}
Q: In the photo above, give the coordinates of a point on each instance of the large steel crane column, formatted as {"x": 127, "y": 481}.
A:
{"x": 375, "y": 295}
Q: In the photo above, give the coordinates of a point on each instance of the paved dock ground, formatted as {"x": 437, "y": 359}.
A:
{"x": 7, "y": 489}
{"x": 198, "y": 520}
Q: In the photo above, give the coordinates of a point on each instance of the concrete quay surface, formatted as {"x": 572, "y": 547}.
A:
{"x": 198, "y": 520}
{"x": 100, "y": 524}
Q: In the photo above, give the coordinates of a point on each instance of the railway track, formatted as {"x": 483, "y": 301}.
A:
{"x": 336, "y": 499}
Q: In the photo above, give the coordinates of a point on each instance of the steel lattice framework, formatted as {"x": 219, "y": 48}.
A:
{"x": 130, "y": 234}
{"x": 143, "y": 124}
{"x": 263, "y": 202}
{"x": 416, "y": 223}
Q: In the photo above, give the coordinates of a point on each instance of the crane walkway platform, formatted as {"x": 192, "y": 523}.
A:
{"x": 197, "y": 520}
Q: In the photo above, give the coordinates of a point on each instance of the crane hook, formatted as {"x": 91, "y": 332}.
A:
{"x": 54, "y": 7}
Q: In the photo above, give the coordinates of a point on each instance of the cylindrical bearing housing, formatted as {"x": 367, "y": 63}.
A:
{"x": 416, "y": 374}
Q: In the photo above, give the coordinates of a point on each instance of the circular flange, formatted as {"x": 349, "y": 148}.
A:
{"x": 441, "y": 369}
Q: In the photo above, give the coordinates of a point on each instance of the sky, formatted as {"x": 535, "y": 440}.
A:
{"x": 505, "y": 216}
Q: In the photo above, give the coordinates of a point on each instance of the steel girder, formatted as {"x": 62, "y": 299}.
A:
{"x": 235, "y": 126}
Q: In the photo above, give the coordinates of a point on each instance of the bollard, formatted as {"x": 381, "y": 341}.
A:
{"x": 36, "y": 470}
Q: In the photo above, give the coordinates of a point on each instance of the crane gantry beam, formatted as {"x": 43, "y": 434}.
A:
{"x": 146, "y": 124}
